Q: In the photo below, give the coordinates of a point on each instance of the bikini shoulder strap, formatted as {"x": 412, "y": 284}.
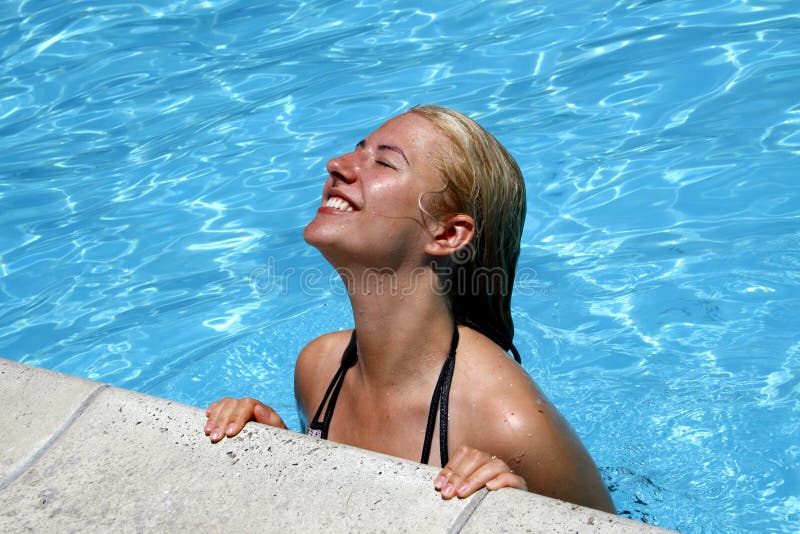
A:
{"x": 319, "y": 428}
{"x": 439, "y": 403}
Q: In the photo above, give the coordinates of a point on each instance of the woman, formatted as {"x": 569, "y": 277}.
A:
{"x": 423, "y": 222}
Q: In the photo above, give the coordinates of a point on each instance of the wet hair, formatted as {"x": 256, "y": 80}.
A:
{"x": 483, "y": 181}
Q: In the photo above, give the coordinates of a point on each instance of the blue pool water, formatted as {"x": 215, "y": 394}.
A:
{"x": 158, "y": 161}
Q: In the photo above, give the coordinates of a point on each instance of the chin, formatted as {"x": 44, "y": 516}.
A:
{"x": 319, "y": 234}
{"x": 310, "y": 234}
{"x": 330, "y": 241}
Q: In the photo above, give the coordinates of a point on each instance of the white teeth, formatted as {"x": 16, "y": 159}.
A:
{"x": 338, "y": 204}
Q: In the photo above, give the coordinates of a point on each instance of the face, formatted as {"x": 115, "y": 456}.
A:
{"x": 370, "y": 203}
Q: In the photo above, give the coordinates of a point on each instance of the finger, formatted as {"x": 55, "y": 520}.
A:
{"x": 237, "y": 416}
{"x": 442, "y": 478}
{"x": 465, "y": 461}
{"x": 222, "y": 419}
{"x": 493, "y": 469}
{"x": 213, "y": 413}
{"x": 267, "y": 416}
{"x": 263, "y": 414}
{"x": 448, "y": 471}
{"x": 507, "y": 480}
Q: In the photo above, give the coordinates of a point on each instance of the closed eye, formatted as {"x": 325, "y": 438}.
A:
{"x": 385, "y": 164}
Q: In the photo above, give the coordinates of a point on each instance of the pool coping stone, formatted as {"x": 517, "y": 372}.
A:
{"x": 84, "y": 456}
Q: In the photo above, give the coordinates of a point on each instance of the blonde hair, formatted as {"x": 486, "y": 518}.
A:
{"x": 483, "y": 181}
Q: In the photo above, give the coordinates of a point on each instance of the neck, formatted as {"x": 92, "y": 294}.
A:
{"x": 404, "y": 326}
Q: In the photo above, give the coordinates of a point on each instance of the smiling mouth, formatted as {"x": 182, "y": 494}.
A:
{"x": 339, "y": 204}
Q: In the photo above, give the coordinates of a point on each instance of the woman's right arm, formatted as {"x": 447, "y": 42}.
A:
{"x": 227, "y": 416}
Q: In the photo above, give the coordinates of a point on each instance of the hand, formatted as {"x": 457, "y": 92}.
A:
{"x": 227, "y": 417}
{"x": 470, "y": 470}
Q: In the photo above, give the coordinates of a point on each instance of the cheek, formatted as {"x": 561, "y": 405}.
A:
{"x": 394, "y": 198}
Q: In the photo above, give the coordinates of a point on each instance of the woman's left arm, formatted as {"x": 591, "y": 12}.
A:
{"x": 523, "y": 443}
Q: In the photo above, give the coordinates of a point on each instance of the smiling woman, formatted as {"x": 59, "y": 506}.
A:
{"x": 413, "y": 220}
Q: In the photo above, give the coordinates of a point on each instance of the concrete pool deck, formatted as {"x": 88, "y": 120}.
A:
{"x": 82, "y": 456}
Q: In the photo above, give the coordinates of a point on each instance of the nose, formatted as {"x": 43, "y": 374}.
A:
{"x": 343, "y": 168}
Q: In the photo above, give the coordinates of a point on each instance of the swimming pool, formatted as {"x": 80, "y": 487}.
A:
{"x": 158, "y": 161}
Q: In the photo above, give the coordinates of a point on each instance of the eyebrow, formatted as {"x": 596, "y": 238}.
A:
{"x": 393, "y": 148}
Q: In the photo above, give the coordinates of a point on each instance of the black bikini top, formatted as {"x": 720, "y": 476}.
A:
{"x": 439, "y": 400}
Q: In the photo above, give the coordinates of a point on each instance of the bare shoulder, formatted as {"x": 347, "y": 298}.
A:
{"x": 499, "y": 409}
{"x": 491, "y": 374}
{"x": 496, "y": 389}
{"x": 315, "y": 367}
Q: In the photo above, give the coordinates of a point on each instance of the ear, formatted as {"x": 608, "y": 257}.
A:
{"x": 450, "y": 235}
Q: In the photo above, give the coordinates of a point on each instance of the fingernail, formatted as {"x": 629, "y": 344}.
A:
{"x": 462, "y": 488}
{"x": 207, "y": 428}
{"x": 439, "y": 481}
{"x": 215, "y": 435}
{"x": 231, "y": 428}
{"x": 448, "y": 490}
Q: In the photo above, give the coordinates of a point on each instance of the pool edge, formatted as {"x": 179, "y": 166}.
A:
{"x": 82, "y": 455}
